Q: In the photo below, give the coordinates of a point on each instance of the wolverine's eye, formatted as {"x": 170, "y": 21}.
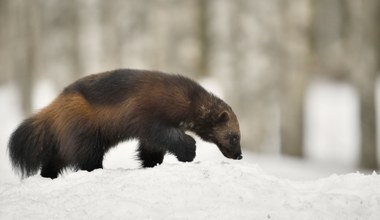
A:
{"x": 234, "y": 140}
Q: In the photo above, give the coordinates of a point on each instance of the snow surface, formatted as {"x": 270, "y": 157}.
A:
{"x": 200, "y": 190}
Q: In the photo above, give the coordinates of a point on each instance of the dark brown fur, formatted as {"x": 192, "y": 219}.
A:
{"x": 98, "y": 111}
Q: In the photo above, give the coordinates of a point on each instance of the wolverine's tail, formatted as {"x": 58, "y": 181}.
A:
{"x": 27, "y": 146}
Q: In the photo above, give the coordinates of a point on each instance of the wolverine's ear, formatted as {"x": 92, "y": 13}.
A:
{"x": 223, "y": 117}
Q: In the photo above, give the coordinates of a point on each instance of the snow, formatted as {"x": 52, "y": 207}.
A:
{"x": 332, "y": 116}
{"x": 198, "y": 190}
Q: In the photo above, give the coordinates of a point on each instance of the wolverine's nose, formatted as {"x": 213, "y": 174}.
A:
{"x": 239, "y": 157}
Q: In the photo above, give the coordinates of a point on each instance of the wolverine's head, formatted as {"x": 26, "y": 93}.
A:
{"x": 221, "y": 127}
{"x": 226, "y": 135}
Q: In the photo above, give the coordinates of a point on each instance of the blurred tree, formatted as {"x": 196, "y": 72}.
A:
{"x": 348, "y": 49}
{"x": 363, "y": 47}
{"x": 75, "y": 32}
{"x": 25, "y": 22}
{"x": 297, "y": 38}
{"x": 5, "y": 49}
{"x": 112, "y": 22}
{"x": 61, "y": 47}
{"x": 203, "y": 37}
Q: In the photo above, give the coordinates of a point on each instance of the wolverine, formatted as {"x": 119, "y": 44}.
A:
{"x": 98, "y": 111}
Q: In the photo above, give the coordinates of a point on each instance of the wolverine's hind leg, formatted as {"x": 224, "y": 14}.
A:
{"x": 51, "y": 165}
{"x": 90, "y": 150}
{"x": 50, "y": 170}
{"x": 92, "y": 161}
{"x": 149, "y": 154}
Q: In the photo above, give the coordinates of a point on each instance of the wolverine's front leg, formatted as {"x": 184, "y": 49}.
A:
{"x": 175, "y": 141}
{"x": 150, "y": 154}
{"x": 184, "y": 149}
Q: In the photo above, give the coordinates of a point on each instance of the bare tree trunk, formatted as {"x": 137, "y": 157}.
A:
{"x": 362, "y": 38}
{"x": 77, "y": 65}
{"x": 203, "y": 37}
{"x": 5, "y": 51}
{"x": 297, "y": 36}
{"x": 328, "y": 40}
{"x": 25, "y": 51}
{"x": 111, "y": 33}
{"x": 292, "y": 120}
{"x": 368, "y": 152}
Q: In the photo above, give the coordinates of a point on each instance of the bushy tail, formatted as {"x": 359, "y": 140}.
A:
{"x": 27, "y": 146}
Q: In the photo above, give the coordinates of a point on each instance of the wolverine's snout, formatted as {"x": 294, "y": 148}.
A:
{"x": 238, "y": 155}
{"x": 234, "y": 154}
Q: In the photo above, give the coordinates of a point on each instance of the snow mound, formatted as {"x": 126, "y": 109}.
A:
{"x": 200, "y": 190}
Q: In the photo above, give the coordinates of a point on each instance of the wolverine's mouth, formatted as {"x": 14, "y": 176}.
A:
{"x": 236, "y": 155}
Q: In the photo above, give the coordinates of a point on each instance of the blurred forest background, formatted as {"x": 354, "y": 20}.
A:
{"x": 265, "y": 55}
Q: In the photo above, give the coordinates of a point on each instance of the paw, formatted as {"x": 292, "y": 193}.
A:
{"x": 187, "y": 155}
{"x": 187, "y": 150}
